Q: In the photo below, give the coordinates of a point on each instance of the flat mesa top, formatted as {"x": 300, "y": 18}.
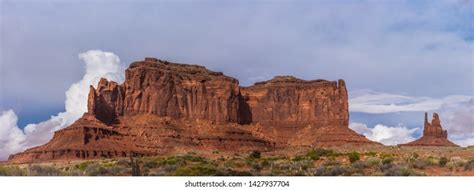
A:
{"x": 293, "y": 81}
{"x": 181, "y": 68}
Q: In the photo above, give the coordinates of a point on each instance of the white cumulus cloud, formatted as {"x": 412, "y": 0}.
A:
{"x": 98, "y": 64}
{"x": 385, "y": 134}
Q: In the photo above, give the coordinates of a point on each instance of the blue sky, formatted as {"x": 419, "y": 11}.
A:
{"x": 418, "y": 49}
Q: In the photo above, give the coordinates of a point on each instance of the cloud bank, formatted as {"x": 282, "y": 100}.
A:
{"x": 98, "y": 64}
{"x": 385, "y": 134}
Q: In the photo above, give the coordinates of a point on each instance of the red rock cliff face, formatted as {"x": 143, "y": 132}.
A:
{"x": 286, "y": 100}
{"x": 165, "y": 108}
{"x": 161, "y": 88}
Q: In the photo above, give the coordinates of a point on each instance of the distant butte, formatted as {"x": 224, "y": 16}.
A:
{"x": 433, "y": 134}
{"x": 165, "y": 108}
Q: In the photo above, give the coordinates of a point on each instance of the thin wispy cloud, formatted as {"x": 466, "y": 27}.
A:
{"x": 368, "y": 101}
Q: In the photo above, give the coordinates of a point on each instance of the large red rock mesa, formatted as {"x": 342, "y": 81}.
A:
{"x": 164, "y": 108}
{"x": 433, "y": 134}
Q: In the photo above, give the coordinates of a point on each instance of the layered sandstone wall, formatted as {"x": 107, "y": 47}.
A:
{"x": 165, "y": 107}
{"x": 288, "y": 101}
{"x": 179, "y": 91}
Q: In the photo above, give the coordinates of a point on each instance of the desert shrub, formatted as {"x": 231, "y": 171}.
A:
{"x": 83, "y": 165}
{"x": 122, "y": 162}
{"x": 418, "y": 164}
{"x": 415, "y": 155}
{"x": 256, "y": 167}
{"x": 192, "y": 158}
{"x": 359, "y": 165}
{"x": 173, "y": 161}
{"x": 373, "y": 161}
{"x": 430, "y": 161}
{"x": 234, "y": 163}
{"x": 315, "y": 154}
{"x": 469, "y": 164}
{"x": 230, "y": 172}
{"x": 301, "y": 166}
{"x": 118, "y": 170}
{"x": 298, "y": 158}
{"x": 150, "y": 164}
{"x": 95, "y": 170}
{"x": 331, "y": 171}
{"x": 385, "y": 155}
{"x": 265, "y": 163}
{"x": 442, "y": 161}
{"x": 38, "y": 170}
{"x": 401, "y": 171}
{"x": 12, "y": 171}
{"x": 353, "y": 156}
{"x": 371, "y": 153}
{"x": 331, "y": 163}
{"x": 215, "y": 152}
{"x": 255, "y": 154}
{"x": 387, "y": 160}
{"x": 196, "y": 170}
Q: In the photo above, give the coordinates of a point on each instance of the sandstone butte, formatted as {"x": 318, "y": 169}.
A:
{"x": 433, "y": 134}
{"x": 165, "y": 108}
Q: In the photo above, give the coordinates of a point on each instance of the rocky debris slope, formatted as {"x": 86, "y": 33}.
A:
{"x": 164, "y": 107}
{"x": 433, "y": 134}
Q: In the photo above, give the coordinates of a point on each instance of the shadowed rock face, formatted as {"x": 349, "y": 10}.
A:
{"x": 433, "y": 134}
{"x": 164, "y": 108}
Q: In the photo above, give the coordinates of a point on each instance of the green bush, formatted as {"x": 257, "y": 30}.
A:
{"x": 401, "y": 171}
{"x": 443, "y": 161}
{"x": 469, "y": 164}
{"x": 415, "y": 155}
{"x": 150, "y": 164}
{"x": 372, "y": 154}
{"x": 82, "y": 166}
{"x": 255, "y": 154}
{"x": 95, "y": 170}
{"x": 298, "y": 158}
{"x": 315, "y": 154}
{"x": 354, "y": 156}
{"x": 387, "y": 160}
{"x": 193, "y": 158}
{"x": 418, "y": 164}
{"x": 331, "y": 163}
{"x": 359, "y": 165}
{"x": 37, "y": 170}
{"x": 256, "y": 166}
{"x": 197, "y": 170}
{"x": 12, "y": 171}
{"x": 331, "y": 171}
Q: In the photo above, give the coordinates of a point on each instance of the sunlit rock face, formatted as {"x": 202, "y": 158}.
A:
{"x": 166, "y": 108}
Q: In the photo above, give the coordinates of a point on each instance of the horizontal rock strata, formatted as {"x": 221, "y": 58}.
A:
{"x": 165, "y": 107}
